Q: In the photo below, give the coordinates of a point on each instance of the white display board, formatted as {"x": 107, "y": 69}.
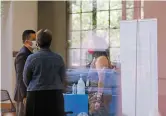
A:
{"x": 139, "y": 67}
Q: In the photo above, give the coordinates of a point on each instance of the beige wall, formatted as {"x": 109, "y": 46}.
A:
{"x": 52, "y": 15}
{"x": 156, "y": 9}
{"x": 18, "y": 16}
{"x": 24, "y": 17}
{"x": 6, "y": 48}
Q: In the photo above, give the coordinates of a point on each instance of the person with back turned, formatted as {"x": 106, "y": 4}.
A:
{"x": 29, "y": 39}
{"x": 44, "y": 76}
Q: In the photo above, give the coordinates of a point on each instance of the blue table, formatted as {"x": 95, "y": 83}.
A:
{"x": 76, "y": 103}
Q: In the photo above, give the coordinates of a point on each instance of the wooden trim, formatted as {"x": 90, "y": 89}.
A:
{"x": 67, "y": 32}
{"x": 5, "y": 105}
{"x": 137, "y": 9}
{"x": 161, "y": 78}
{"x": 123, "y": 9}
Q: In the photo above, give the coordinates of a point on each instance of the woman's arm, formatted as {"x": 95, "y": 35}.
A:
{"x": 101, "y": 64}
{"x": 27, "y": 73}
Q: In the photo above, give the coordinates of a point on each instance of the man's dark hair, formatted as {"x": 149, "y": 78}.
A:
{"x": 44, "y": 38}
{"x": 26, "y": 34}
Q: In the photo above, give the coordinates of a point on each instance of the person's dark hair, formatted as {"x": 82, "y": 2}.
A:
{"x": 44, "y": 38}
{"x": 26, "y": 34}
{"x": 97, "y": 54}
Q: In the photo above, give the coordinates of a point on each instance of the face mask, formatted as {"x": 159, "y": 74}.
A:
{"x": 33, "y": 45}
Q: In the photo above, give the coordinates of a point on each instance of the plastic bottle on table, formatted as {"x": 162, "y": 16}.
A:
{"x": 81, "y": 86}
{"x": 87, "y": 82}
{"x": 74, "y": 89}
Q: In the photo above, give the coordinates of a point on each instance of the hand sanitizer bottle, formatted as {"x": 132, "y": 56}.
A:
{"x": 73, "y": 88}
{"x": 81, "y": 86}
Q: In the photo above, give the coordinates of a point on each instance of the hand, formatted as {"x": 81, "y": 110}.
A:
{"x": 97, "y": 105}
{"x": 24, "y": 101}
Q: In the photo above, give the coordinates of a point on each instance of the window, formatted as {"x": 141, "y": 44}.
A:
{"x": 101, "y": 16}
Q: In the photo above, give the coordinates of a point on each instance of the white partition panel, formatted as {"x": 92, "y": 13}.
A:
{"x": 128, "y": 66}
{"x": 139, "y": 74}
{"x": 147, "y": 76}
